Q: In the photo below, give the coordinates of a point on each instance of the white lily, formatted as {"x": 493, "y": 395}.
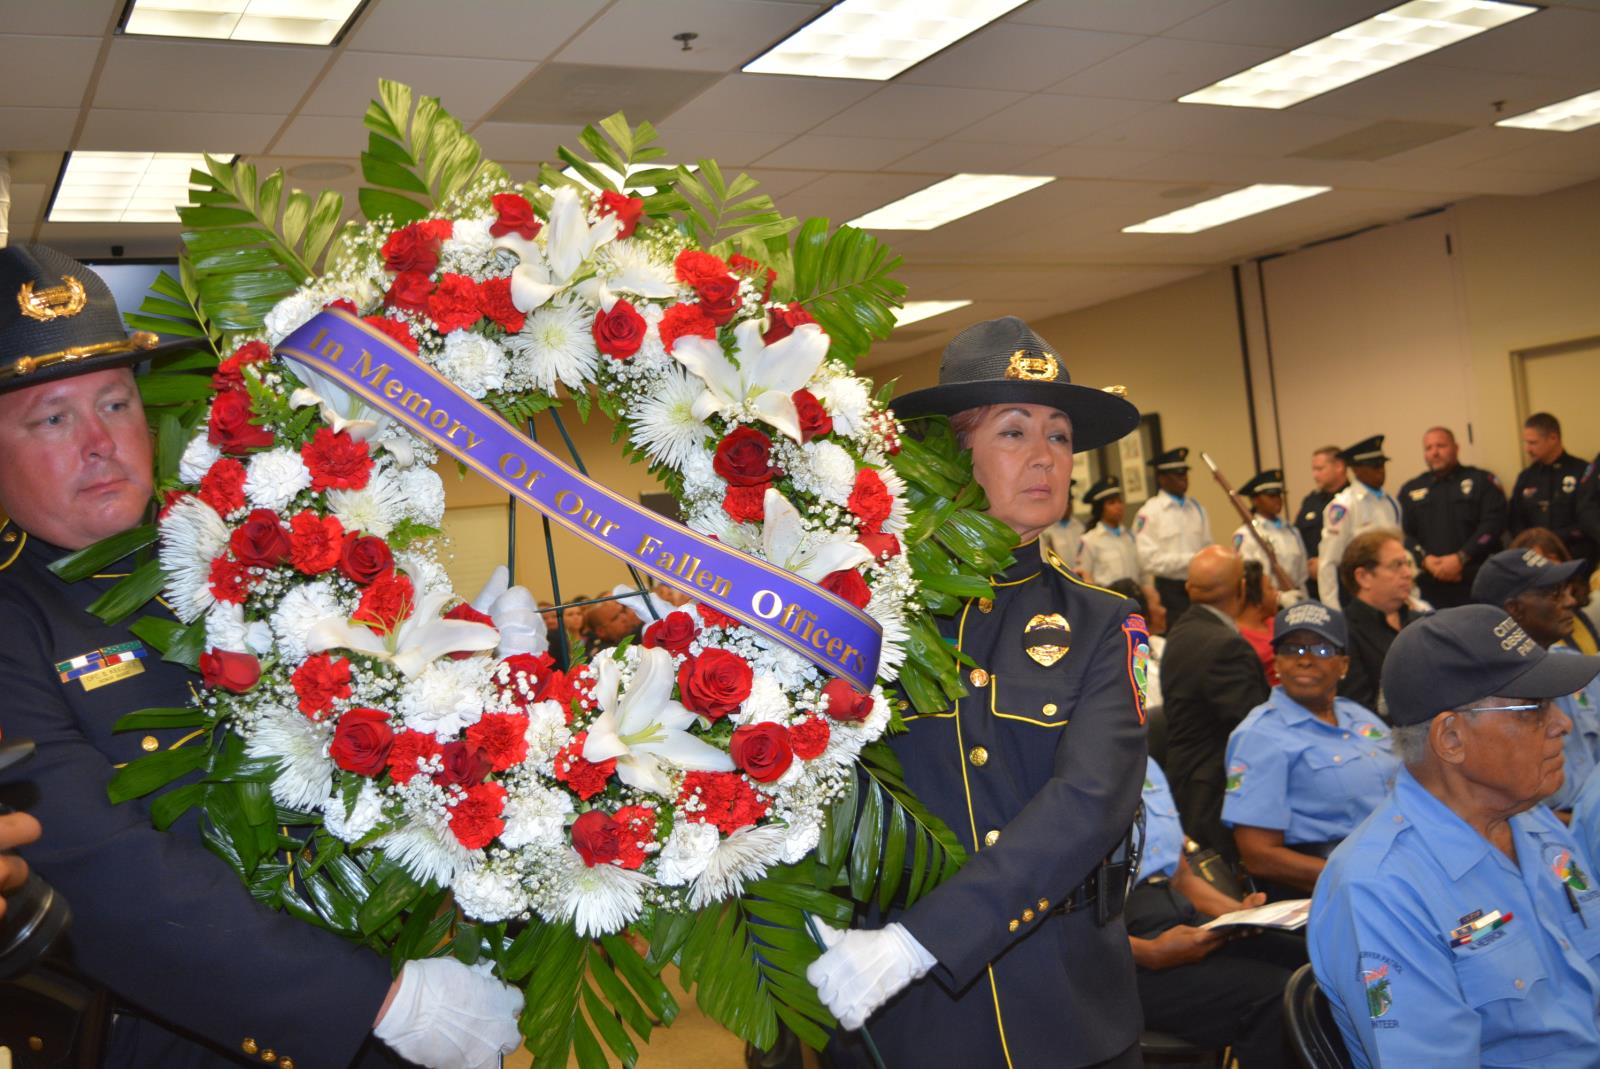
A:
{"x": 569, "y": 240}
{"x": 418, "y": 641}
{"x": 644, "y": 729}
{"x": 766, "y": 376}
{"x": 532, "y": 284}
{"x": 343, "y": 411}
{"x": 783, "y": 542}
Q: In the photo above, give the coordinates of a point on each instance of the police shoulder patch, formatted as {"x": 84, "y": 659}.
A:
{"x": 1335, "y": 513}
{"x": 1137, "y": 634}
{"x": 1238, "y": 541}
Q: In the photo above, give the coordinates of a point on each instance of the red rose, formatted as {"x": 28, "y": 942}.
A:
{"x": 809, "y": 737}
{"x": 315, "y": 542}
{"x": 597, "y": 838}
{"x": 719, "y": 298}
{"x": 746, "y": 504}
{"x": 714, "y": 683}
{"x": 673, "y": 633}
{"x": 386, "y": 602}
{"x": 695, "y": 268}
{"x": 762, "y": 750}
{"x": 514, "y": 216}
{"x": 744, "y": 458}
{"x": 231, "y": 430}
{"x": 410, "y": 750}
{"x": 454, "y": 305}
{"x": 494, "y": 301}
{"x": 223, "y": 486}
{"x": 472, "y": 616}
{"x": 723, "y": 799}
{"x": 684, "y": 319}
{"x": 756, "y": 272}
{"x": 845, "y": 702}
{"x": 870, "y": 501}
{"x": 464, "y": 765}
{"x": 396, "y": 330}
{"x": 586, "y": 778}
{"x": 230, "y": 580}
{"x": 619, "y": 332}
{"x": 501, "y": 738}
{"x": 476, "y": 820}
{"x": 237, "y": 672}
{"x": 411, "y": 248}
{"x": 336, "y": 461}
{"x": 261, "y": 541}
{"x": 361, "y": 741}
{"x": 814, "y": 419}
{"x": 848, "y": 584}
{"x": 627, "y": 210}
{"x": 782, "y": 321}
{"x": 881, "y": 546}
{"x": 230, "y": 373}
{"x": 409, "y": 292}
{"x": 363, "y": 558}
{"x": 319, "y": 682}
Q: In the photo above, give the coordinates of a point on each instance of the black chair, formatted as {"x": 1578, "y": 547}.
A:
{"x": 1160, "y": 1048}
{"x": 1313, "y": 1032}
{"x": 51, "y": 1019}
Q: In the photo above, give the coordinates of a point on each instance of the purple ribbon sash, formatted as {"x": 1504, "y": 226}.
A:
{"x": 825, "y": 629}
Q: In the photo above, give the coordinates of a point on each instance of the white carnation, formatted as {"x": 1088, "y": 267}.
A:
{"x": 423, "y": 492}
{"x": 301, "y": 608}
{"x": 290, "y": 314}
{"x": 469, "y": 249}
{"x": 829, "y": 472}
{"x": 803, "y": 836}
{"x": 535, "y": 815}
{"x": 473, "y": 362}
{"x": 547, "y": 731}
{"x": 766, "y": 702}
{"x": 226, "y": 629}
{"x": 445, "y": 697}
{"x": 489, "y": 895}
{"x": 198, "y": 456}
{"x": 272, "y": 479}
{"x": 686, "y": 852}
{"x": 848, "y": 401}
{"x": 362, "y": 817}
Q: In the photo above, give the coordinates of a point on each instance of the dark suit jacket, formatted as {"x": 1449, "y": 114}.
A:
{"x": 1210, "y": 680}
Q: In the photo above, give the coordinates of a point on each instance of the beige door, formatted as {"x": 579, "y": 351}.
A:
{"x": 1564, "y": 380}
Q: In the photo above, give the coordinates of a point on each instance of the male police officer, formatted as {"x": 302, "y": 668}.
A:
{"x": 217, "y": 978}
{"x": 1460, "y": 923}
{"x": 1328, "y": 472}
{"x": 1169, "y": 530}
{"x": 1455, "y": 516}
{"x": 1265, "y": 491}
{"x": 1359, "y": 507}
{"x": 1546, "y": 491}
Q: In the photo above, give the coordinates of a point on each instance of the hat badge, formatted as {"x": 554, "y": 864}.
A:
{"x": 1025, "y": 365}
{"x": 57, "y": 302}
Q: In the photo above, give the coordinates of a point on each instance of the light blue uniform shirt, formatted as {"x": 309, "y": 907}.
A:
{"x": 1583, "y": 743}
{"x": 1394, "y": 899}
{"x": 1163, "y": 833}
{"x": 1586, "y": 817}
{"x": 1313, "y": 781}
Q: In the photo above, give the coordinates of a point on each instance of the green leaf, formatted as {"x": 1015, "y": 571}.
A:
{"x": 187, "y": 647}
{"x": 157, "y": 632}
{"x": 377, "y": 203}
{"x": 130, "y": 594}
{"x": 165, "y": 810}
{"x": 174, "y": 389}
{"x": 186, "y": 716}
{"x": 140, "y": 777}
{"x": 395, "y": 892}
{"x": 91, "y": 559}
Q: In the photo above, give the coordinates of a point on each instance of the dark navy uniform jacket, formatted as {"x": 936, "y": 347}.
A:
{"x": 1308, "y": 521}
{"x": 1038, "y": 771}
{"x": 157, "y": 918}
{"x": 1546, "y": 495}
{"x": 1463, "y": 512}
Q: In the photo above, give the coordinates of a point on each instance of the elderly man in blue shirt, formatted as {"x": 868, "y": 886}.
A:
{"x": 1459, "y": 925}
{"x": 1306, "y": 766}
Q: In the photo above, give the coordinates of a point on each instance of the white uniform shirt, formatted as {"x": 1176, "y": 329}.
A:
{"x": 1168, "y": 532}
{"x": 1355, "y": 509}
{"x": 1108, "y": 554}
{"x": 1286, "y": 543}
{"x": 1065, "y": 540}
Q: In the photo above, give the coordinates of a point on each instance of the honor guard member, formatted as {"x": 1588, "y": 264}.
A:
{"x": 1460, "y": 923}
{"x": 200, "y": 973}
{"x": 1108, "y": 552}
{"x": 1065, "y": 537}
{"x": 1021, "y": 959}
{"x": 1454, "y": 517}
{"x": 1359, "y": 507}
{"x": 1169, "y": 530}
{"x": 1265, "y": 491}
{"x": 1328, "y": 473}
{"x": 1546, "y": 491}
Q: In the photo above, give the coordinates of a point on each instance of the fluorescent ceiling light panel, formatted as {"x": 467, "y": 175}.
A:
{"x": 124, "y": 187}
{"x": 874, "y": 40}
{"x": 1386, "y": 40}
{"x": 1252, "y": 200}
{"x": 295, "y": 22}
{"x": 1563, "y": 115}
{"x": 916, "y": 311}
{"x": 949, "y": 200}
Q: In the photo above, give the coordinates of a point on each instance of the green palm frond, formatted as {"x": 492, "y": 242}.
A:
{"x": 846, "y": 280}
{"x": 416, "y": 159}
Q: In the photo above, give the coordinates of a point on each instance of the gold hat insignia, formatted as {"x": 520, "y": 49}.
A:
{"x": 1047, "y": 649}
{"x": 57, "y": 302}
{"x": 1034, "y": 367}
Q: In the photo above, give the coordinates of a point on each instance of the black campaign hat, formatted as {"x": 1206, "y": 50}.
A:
{"x": 1366, "y": 451}
{"x": 1458, "y": 656}
{"x": 1003, "y": 360}
{"x": 1174, "y": 461}
{"x": 1264, "y": 482}
{"x": 1514, "y": 571}
{"x": 1105, "y": 488}
{"x": 58, "y": 318}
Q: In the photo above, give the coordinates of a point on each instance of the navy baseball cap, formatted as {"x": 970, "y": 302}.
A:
{"x": 1311, "y": 616}
{"x": 1514, "y": 571}
{"x": 1458, "y": 656}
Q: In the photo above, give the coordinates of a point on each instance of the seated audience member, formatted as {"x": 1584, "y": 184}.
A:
{"x": 1459, "y": 925}
{"x": 1256, "y": 610}
{"x": 1200, "y": 985}
{"x": 606, "y": 623}
{"x": 1377, "y": 574}
{"x": 1537, "y": 593}
{"x": 1585, "y": 638}
{"x": 1307, "y": 767}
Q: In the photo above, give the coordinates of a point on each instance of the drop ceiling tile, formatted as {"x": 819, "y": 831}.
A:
{"x": 969, "y": 157}
{"x": 483, "y": 29}
{"x": 1431, "y": 92}
{"x": 322, "y": 135}
{"x": 1576, "y": 153}
{"x": 842, "y": 153}
{"x": 1275, "y": 23}
{"x": 75, "y": 18}
{"x": 770, "y": 102}
{"x": 524, "y": 142}
{"x": 466, "y": 87}
{"x": 730, "y": 148}
{"x": 783, "y": 183}
{"x": 1162, "y": 69}
{"x": 1017, "y": 57}
{"x": 36, "y": 129}
{"x": 916, "y": 111}
{"x": 1091, "y": 161}
{"x": 1045, "y": 120}
{"x": 639, "y": 33}
{"x": 1116, "y": 16}
{"x": 45, "y": 72}
{"x": 1246, "y": 131}
{"x": 108, "y": 130}
{"x": 155, "y": 74}
{"x": 842, "y": 197}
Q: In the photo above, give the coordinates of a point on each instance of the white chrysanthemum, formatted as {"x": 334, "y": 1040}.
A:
{"x": 198, "y": 456}
{"x": 555, "y": 345}
{"x": 470, "y": 248}
{"x": 744, "y": 855}
{"x": 547, "y": 731}
{"x": 627, "y": 267}
{"x": 473, "y": 362}
{"x": 426, "y": 848}
{"x": 445, "y": 697}
{"x": 226, "y": 629}
{"x": 766, "y": 702}
{"x": 802, "y": 837}
{"x": 900, "y": 513}
{"x": 362, "y": 817}
{"x": 374, "y": 509}
{"x": 423, "y": 492}
{"x": 665, "y": 425}
{"x": 290, "y": 314}
{"x": 602, "y": 899}
{"x": 535, "y": 815}
{"x": 828, "y": 472}
{"x": 192, "y": 536}
{"x": 305, "y": 774}
{"x": 272, "y": 479}
{"x": 686, "y": 852}
{"x": 890, "y": 615}
{"x": 848, "y": 401}
{"x": 489, "y": 895}
{"x": 301, "y": 608}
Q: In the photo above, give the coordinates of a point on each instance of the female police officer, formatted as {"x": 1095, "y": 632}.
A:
{"x": 1021, "y": 958}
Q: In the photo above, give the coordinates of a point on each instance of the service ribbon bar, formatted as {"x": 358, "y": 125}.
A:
{"x": 818, "y": 625}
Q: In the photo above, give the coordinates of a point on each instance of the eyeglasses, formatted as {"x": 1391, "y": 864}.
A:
{"x": 1322, "y": 651}
{"x": 1521, "y": 708}
{"x": 1400, "y": 564}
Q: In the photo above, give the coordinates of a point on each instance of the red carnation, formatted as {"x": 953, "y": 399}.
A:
{"x": 627, "y": 209}
{"x": 848, "y": 584}
{"x": 723, "y": 799}
{"x": 673, "y": 633}
{"x": 714, "y": 617}
{"x": 170, "y": 498}
{"x": 361, "y": 741}
{"x": 230, "y": 580}
{"x": 762, "y": 750}
{"x": 230, "y": 429}
{"x": 386, "y": 602}
{"x": 365, "y": 558}
{"x": 396, "y": 330}
{"x": 261, "y": 541}
{"x": 782, "y": 321}
{"x": 637, "y": 833}
{"x": 744, "y": 458}
{"x": 514, "y": 216}
{"x": 809, "y": 737}
{"x": 814, "y": 419}
{"x": 319, "y": 682}
{"x": 619, "y": 332}
{"x": 746, "y": 504}
{"x": 223, "y": 486}
{"x": 695, "y": 268}
{"x": 230, "y": 373}
{"x": 494, "y": 301}
{"x": 236, "y": 672}
{"x": 465, "y": 611}
{"x": 714, "y": 683}
{"x": 454, "y": 304}
{"x": 845, "y": 702}
{"x": 501, "y": 737}
{"x": 342, "y": 305}
{"x": 558, "y": 687}
{"x": 409, "y": 292}
{"x": 461, "y": 765}
{"x": 756, "y": 272}
{"x": 597, "y": 837}
{"x": 315, "y": 542}
{"x": 476, "y": 820}
{"x": 336, "y": 461}
{"x": 881, "y": 546}
{"x": 586, "y": 778}
{"x": 412, "y": 248}
{"x": 410, "y": 750}
{"x": 870, "y": 501}
{"x": 682, "y": 320}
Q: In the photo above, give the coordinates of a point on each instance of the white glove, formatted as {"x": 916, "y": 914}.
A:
{"x": 447, "y": 1015}
{"x": 863, "y": 969}
{"x": 515, "y": 614}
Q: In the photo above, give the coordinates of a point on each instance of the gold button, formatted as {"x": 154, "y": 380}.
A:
{"x": 149, "y": 744}
{"x": 903, "y": 705}
{"x": 248, "y": 1046}
{"x": 269, "y": 1056}
{"x": 285, "y": 1063}
{"x": 985, "y": 604}
{"x": 1044, "y": 904}
{"x": 978, "y": 756}
{"x": 11, "y": 536}
{"x": 1338, "y": 758}
{"x": 35, "y": 1043}
{"x": 1518, "y": 984}
{"x": 991, "y": 837}
{"x": 979, "y": 677}
{"x": 1049, "y": 708}
{"x": 1014, "y": 925}
{"x": 1027, "y": 914}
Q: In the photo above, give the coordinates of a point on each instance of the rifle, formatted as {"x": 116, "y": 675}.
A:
{"x": 1279, "y": 576}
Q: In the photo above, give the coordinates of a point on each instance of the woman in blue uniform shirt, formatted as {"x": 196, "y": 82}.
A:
{"x": 1305, "y": 767}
